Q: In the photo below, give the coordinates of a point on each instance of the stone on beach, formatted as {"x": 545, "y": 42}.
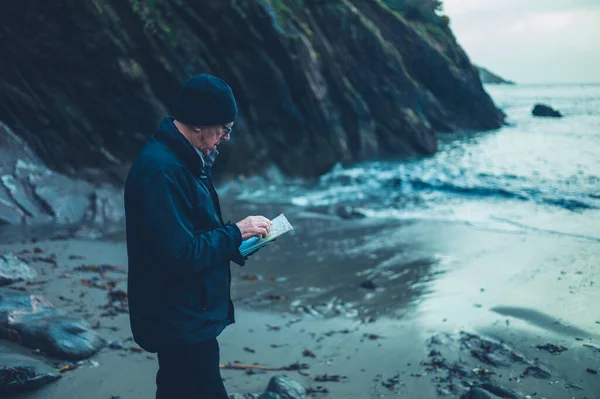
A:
{"x": 35, "y": 323}
{"x": 478, "y": 393}
{"x": 285, "y": 388}
{"x": 246, "y": 396}
{"x": 20, "y": 373}
{"x": 490, "y": 391}
{"x": 488, "y": 351}
{"x": 537, "y": 371}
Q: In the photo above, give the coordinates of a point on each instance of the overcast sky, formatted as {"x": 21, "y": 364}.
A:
{"x": 531, "y": 41}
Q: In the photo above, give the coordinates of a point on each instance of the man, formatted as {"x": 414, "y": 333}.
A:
{"x": 178, "y": 246}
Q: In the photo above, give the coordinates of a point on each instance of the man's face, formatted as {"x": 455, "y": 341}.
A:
{"x": 207, "y": 138}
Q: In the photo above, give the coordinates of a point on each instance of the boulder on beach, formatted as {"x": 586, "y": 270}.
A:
{"x": 490, "y": 391}
{"x": 13, "y": 269}
{"x": 545, "y": 111}
{"x": 34, "y": 322}
{"x": 279, "y": 387}
{"x": 269, "y": 395}
{"x": 285, "y": 388}
{"x": 20, "y": 373}
{"x": 478, "y": 393}
{"x": 244, "y": 396}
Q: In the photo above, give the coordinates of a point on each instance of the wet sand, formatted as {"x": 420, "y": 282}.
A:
{"x": 366, "y": 297}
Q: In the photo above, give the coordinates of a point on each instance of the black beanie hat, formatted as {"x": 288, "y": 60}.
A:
{"x": 205, "y": 100}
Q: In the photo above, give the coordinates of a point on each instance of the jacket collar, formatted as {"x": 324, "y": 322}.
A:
{"x": 168, "y": 134}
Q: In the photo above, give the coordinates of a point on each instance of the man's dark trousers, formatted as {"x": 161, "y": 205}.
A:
{"x": 190, "y": 372}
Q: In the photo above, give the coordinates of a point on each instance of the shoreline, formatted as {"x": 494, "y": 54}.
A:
{"x": 430, "y": 280}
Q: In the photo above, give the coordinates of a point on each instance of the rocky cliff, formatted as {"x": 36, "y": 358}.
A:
{"x": 84, "y": 83}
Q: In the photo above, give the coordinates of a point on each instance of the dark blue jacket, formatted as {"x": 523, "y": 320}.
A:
{"x": 178, "y": 246}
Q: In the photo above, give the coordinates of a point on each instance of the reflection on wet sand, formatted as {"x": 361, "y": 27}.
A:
{"x": 339, "y": 270}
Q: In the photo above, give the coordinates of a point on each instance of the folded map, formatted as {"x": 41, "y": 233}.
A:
{"x": 279, "y": 227}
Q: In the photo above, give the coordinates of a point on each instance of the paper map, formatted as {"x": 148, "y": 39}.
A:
{"x": 280, "y": 226}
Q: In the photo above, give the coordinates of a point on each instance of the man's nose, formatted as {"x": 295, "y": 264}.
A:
{"x": 227, "y": 137}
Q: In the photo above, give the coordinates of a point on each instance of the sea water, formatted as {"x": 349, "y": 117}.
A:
{"x": 535, "y": 173}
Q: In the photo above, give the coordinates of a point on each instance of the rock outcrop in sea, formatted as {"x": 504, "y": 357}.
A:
{"x": 545, "y": 111}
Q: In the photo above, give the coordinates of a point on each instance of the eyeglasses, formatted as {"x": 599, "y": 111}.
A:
{"x": 226, "y": 130}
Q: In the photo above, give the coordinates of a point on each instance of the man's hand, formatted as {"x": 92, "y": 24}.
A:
{"x": 254, "y": 226}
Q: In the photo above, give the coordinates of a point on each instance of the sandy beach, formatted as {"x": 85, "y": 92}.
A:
{"x": 377, "y": 309}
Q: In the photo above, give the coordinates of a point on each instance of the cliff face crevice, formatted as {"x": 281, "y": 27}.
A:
{"x": 317, "y": 82}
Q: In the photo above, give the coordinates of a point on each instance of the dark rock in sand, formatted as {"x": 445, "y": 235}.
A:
{"x": 490, "y": 352}
{"x": 245, "y": 396}
{"x": 546, "y": 111}
{"x": 455, "y": 370}
{"x": 537, "y": 371}
{"x": 499, "y": 391}
{"x": 493, "y": 359}
{"x": 19, "y": 373}
{"x": 12, "y": 269}
{"x": 554, "y": 349}
{"x": 35, "y": 323}
{"x": 478, "y": 393}
{"x": 269, "y": 395}
{"x": 115, "y": 345}
{"x": 286, "y": 388}
{"x": 482, "y": 350}
{"x": 490, "y": 391}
